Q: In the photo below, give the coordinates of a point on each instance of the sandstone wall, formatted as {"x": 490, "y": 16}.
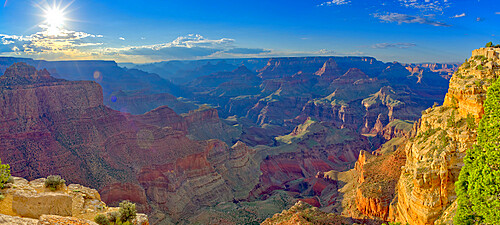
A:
{"x": 440, "y": 140}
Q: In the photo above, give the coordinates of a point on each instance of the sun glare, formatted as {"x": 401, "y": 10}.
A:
{"x": 54, "y": 17}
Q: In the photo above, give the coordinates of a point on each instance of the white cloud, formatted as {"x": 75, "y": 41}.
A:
{"x": 326, "y": 52}
{"x": 122, "y": 38}
{"x": 404, "y": 18}
{"x": 498, "y": 13}
{"x": 426, "y": 5}
{"x": 459, "y": 15}
{"x": 196, "y": 40}
{"x": 335, "y": 2}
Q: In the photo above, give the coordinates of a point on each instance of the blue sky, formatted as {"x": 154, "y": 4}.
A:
{"x": 157, "y": 30}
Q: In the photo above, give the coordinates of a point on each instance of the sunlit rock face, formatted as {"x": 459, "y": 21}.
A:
{"x": 440, "y": 140}
{"x": 30, "y": 202}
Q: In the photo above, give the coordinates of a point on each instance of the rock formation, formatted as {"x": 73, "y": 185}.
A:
{"x": 55, "y": 126}
{"x": 303, "y": 213}
{"x": 30, "y": 202}
{"x": 330, "y": 70}
{"x": 62, "y": 127}
{"x": 440, "y": 140}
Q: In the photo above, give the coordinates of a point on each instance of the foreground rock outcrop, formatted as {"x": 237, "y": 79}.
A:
{"x": 30, "y": 202}
{"x": 303, "y": 213}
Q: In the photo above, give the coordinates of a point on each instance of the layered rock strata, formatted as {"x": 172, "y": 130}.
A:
{"x": 440, "y": 140}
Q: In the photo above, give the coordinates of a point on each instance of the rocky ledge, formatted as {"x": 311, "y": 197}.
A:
{"x": 30, "y": 202}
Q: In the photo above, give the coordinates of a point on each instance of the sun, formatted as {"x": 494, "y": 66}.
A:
{"x": 54, "y": 17}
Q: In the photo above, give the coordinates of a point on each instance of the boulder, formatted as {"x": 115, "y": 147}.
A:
{"x": 35, "y": 205}
{"x": 14, "y": 220}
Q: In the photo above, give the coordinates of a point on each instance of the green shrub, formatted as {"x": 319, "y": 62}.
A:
{"x": 443, "y": 136}
{"x": 2, "y": 197}
{"x": 123, "y": 223}
{"x": 451, "y": 120}
{"x": 113, "y": 216}
{"x": 480, "y": 67}
{"x": 478, "y": 185}
{"x": 425, "y": 135}
{"x": 54, "y": 182}
{"x": 4, "y": 173}
{"x": 127, "y": 211}
{"x": 489, "y": 44}
{"x": 471, "y": 121}
{"x": 101, "y": 220}
{"x": 478, "y": 83}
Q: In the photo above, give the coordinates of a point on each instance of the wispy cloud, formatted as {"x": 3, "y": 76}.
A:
{"x": 335, "y": 2}
{"x": 459, "y": 15}
{"x": 426, "y": 5}
{"x": 247, "y": 51}
{"x": 405, "y": 18}
{"x": 122, "y": 38}
{"x": 498, "y": 13}
{"x": 393, "y": 45}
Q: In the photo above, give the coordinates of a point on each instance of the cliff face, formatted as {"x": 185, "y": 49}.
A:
{"x": 51, "y": 126}
{"x": 440, "y": 140}
{"x": 284, "y": 67}
{"x": 445, "y": 70}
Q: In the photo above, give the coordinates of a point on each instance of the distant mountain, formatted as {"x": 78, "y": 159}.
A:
{"x": 180, "y": 72}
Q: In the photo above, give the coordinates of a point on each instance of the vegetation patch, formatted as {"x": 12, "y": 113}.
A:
{"x": 4, "y": 174}
{"x": 54, "y": 182}
{"x": 478, "y": 185}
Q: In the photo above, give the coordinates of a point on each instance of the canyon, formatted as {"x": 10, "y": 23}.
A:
{"x": 236, "y": 142}
{"x": 411, "y": 177}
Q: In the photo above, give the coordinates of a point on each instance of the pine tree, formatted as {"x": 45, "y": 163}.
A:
{"x": 478, "y": 186}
